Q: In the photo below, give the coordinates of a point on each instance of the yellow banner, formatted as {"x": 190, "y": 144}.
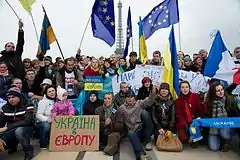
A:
{"x": 93, "y": 86}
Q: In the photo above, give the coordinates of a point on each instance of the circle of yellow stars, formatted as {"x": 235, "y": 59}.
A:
{"x": 107, "y": 18}
{"x": 161, "y": 7}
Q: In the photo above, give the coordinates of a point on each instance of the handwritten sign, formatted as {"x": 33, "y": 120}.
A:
{"x": 75, "y": 133}
{"x": 93, "y": 83}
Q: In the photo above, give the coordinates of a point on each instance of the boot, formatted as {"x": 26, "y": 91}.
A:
{"x": 225, "y": 147}
{"x": 28, "y": 155}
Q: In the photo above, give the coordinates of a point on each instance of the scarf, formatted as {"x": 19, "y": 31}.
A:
{"x": 187, "y": 104}
{"x": 95, "y": 69}
{"x": 218, "y": 108}
{"x": 107, "y": 111}
{"x": 4, "y": 73}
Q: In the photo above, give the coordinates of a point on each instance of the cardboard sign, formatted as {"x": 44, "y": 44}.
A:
{"x": 93, "y": 83}
{"x": 74, "y": 133}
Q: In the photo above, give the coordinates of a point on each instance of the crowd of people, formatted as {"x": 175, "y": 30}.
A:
{"x": 153, "y": 111}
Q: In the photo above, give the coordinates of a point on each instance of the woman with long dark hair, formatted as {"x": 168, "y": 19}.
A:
{"x": 220, "y": 105}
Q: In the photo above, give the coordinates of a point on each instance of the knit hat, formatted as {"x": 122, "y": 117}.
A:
{"x": 46, "y": 81}
{"x": 60, "y": 92}
{"x": 47, "y": 58}
{"x": 187, "y": 59}
{"x": 164, "y": 86}
{"x": 130, "y": 94}
{"x": 14, "y": 91}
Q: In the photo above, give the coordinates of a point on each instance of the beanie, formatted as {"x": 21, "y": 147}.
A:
{"x": 60, "y": 92}
{"x": 164, "y": 86}
{"x": 14, "y": 91}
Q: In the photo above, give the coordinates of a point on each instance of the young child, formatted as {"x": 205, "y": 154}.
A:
{"x": 63, "y": 106}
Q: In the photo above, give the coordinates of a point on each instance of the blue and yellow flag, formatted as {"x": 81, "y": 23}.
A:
{"x": 129, "y": 33}
{"x": 120, "y": 70}
{"x": 103, "y": 21}
{"x": 47, "y": 36}
{"x": 171, "y": 73}
{"x": 142, "y": 44}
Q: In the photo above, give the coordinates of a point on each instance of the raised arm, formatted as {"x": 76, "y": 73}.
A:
{"x": 20, "y": 41}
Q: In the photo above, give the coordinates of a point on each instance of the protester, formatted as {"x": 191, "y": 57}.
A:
{"x": 44, "y": 117}
{"x": 133, "y": 61}
{"x": 45, "y": 83}
{"x": 157, "y": 59}
{"x": 131, "y": 111}
{"x": 188, "y": 107}
{"x": 16, "y": 123}
{"x": 12, "y": 56}
{"x": 163, "y": 111}
{"x": 63, "y": 106}
{"x": 5, "y": 80}
{"x": 27, "y": 64}
{"x": 204, "y": 54}
{"x": 92, "y": 104}
{"x": 123, "y": 64}
{"x": 111, "y": 125}
{"x": 70, "y": 79}
{"x": 180, "y": 55}
{"x": 108, "y": 69}
{"x": 35, "y": 65}
{"x": 119, "y": 98}
{"x": 93, "y": 69}
{"x": 221, "y": 105}
{"x": 18, "y": 83}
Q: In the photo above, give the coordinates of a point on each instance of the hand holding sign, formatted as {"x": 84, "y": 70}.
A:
{"x": 155, "y": 86}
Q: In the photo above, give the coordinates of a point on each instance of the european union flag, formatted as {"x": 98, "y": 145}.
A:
{"x": 103, "y": 21}
{"x": 129, "y": 33}
{"x": 161, "y": 16}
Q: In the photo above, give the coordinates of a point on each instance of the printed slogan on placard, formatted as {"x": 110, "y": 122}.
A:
{"x": 75, "y": 133}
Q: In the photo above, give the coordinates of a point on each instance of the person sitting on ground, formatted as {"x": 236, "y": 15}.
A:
{"x": 138, "y": 126}
{"x": 16, "y": 123}
{"x": 119, "y": 98}
{"x": 220, "y": 105}
{"x": 43, "y": 115}
{"x": 188, "y": 107}
{"x": 17, "y": 82}
{"x": 92, "y": 104}
{"x": 111, "y": 125}
{"x": 63, "y": 106}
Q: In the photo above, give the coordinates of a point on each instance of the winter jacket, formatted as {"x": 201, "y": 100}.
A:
{"x": 119, "y": 99}
{"x": 116, "y": 125}
{"x": 133, "y": 64}
{"x": 189, "y": 102}
{"x": 20, "y": 115}
{"x": 132, "y": 114}
{"x": 63, "y": 108}
{"x": 5, "y": 84}
{"x": 143, "y": 93}
{"x": 14, "y": 58}
{"x": 78, "y": 76}
{"x": 90, "y": 72}
{"x": 44, "y": 110}
{"x": 163, "y": 114}
{"x": 90, "y": 107}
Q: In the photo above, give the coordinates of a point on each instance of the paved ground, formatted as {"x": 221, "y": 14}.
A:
{"x": 126, "y": 153}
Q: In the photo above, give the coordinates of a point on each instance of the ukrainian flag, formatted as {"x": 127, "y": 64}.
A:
{"x": 171, "y": 74}
{"x": 120, "y": 70}
{"x": 142, "y": 44}
{"x": 47, "y": 36}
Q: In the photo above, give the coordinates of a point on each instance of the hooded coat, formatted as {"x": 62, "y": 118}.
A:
{"x": 90, "y": 107}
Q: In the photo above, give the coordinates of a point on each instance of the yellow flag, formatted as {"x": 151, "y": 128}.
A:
{"x": 27, "y": 4}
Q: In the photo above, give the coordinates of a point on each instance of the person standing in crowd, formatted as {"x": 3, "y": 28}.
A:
{"x": 163, "y": 111}
{"x": 145, "y": 91}
{"x": 204, "y": 54}
{"x": 63, "y": 106}
{"x": 180, "y": 55}
{"x": 94, "y": 102}
{"x": 187, "y": 63}
{"x": 70, "y": 79}
{"x": 180, "y": 64}
{"x": 31, "y": 84}
{"x": 237, "y": 56}
{"x": 5, "y": 80}
{"x": 83, "y": 63}
{"x": 123, "y": 64}
{"x": 27, "y": 64}
{"x": 197, "y": 65}
{"x": 133, "y": 61}
{"x": 45, "y": 83}
{"x": 111, "y": 125}
{"x": 119, "y": 98}
{"x": 93, "y": 69}
{"x": 16, "y": 123}
{"x": 44, "y": 117}
{"x": 17, "y": 82}
{"x": 60, "y": 64}
{"x": 220, "y": 105}
{"x": 195, "y": 55}
{"x": 157, "y": 59}
{"x": 13, "y": 57}
{"x": 35, "y": 65}
{"x": 108, "y": 69}
{"x": 137, "y": 126}
{"x": 47, "y": 71}
{"x": 188, "y": 107}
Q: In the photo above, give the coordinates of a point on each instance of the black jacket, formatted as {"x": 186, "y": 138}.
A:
{"x": 14, "y": 58}
{"x": 163, "y": 114}
{"x": 90, "y": 107}
{"x": 144, "y": 93}
{"x": 133, "y": 65}
{"x": 20, "y": 115}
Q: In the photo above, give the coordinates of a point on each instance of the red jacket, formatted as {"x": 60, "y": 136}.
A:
{"x": 185, "y": 103}
{"x": 90, "y": 72}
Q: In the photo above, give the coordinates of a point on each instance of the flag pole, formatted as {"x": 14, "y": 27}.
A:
{"x": 132, "y": 43}
{"x": 12, "y": 9}
{"x": 179, "y": 36}
{"x": 56, "y": 37}
{"x": 84, "y": 32}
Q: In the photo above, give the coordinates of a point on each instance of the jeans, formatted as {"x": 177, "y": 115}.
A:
{"x": 144, "y": 132}
{"x": 44, "y": 129}
{"x": 214, "y": 140}
{"x": 20, "y": 135}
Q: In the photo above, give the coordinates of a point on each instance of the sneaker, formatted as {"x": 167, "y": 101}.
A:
{"x": 145, "y": 157}
{"x": 28, "y": 155}
{"x": 194, "y": 145}
{"x": 43, "y": 149}
{"x": 148, "y": 146}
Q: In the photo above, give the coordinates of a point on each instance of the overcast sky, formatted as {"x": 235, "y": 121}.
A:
{"x": 198, "y": 18}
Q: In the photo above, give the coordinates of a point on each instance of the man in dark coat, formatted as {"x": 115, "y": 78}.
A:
{"x": 13, "y": 57}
